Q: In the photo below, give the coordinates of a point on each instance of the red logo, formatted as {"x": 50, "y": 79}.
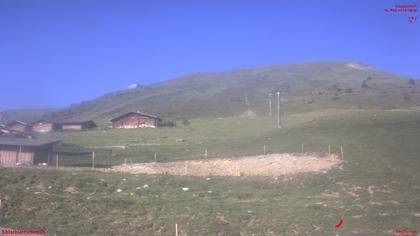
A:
{"x": 339, "y": 224}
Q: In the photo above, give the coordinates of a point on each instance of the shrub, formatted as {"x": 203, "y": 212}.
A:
{"x": 412, "y": 82}
{"x": 186, "y": 122}
{"x": 365, "y": 85}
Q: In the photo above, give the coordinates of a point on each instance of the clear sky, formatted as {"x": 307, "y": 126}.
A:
{"x": 55, "y": 53}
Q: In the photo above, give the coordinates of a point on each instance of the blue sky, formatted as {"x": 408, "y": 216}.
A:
{"x": 55, "y": 53}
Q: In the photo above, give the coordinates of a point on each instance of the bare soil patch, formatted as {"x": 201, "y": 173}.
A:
{"x": 264, "y": 165}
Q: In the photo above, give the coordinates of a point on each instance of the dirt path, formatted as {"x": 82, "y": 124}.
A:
{"x": 264, "y": 165}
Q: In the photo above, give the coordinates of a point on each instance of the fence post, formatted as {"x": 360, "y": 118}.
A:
{"x": 56, "y": 160}
{"x": 265, "y": 151}
{"x": 205, "y": 153}
{"x": 302, "y": 147}
{"x": 109, "y": 159}
{"x": 176, "y": 229}
{"x": 93, "y": 160}
{"x": 342, "y": 153}
{"x": 329, "y": 149}
{"x": 155, "y": 157}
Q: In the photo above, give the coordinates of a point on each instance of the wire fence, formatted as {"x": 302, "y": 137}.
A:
{"x": 106, "y": 158}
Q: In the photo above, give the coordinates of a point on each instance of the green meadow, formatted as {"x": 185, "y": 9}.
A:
{"x": 375, "y": 191}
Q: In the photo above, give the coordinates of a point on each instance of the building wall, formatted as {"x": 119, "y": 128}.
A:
{"x": 28, "y": 155}
{"x": 9, "y": 155}
{"x": 18, "y": 127}
{"x": 71, "y": 127}
{"x": 42, "y": 127}
{"x": 135, "y": 121}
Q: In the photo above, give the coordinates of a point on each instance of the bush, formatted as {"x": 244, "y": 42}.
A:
{"x": 186, "y": 122}
{"x": 348, "y": 90}
{"x": 412, "y": 82}
{"x": 364, "y": 84}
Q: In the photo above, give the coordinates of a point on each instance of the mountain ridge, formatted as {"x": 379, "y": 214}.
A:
{"x": 231, "y": 92}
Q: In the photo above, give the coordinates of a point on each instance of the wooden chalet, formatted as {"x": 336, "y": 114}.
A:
{"x": 43, "y": 126}
{"x": 135, "y": 120}
{"x": 15, "y": 151}
{"x": 6, "y": 132}
{"x": 66, "y": 126}
{"x": 18, "y": 126}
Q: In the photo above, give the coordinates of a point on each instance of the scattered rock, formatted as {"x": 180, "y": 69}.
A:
{"x": 375, "y": 203}
{"x": 71, "y": 189}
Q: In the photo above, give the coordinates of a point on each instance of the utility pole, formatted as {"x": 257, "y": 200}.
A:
{"x": 278, "y": 110}
{"x": 270, "y": 113}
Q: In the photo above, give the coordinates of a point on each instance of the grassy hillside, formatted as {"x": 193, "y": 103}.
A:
{"x": 376, "y": 191}
{"x": 25, "y": 115}
{"x": 307, "y": 87}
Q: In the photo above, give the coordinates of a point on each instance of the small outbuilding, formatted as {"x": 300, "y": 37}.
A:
{"x": 84, "y": 125}
{"x": 13, "y": 133}
{"x": 25, "y": 151}
{"x": 135, "y": 120}
{"x": 44, "y": 126}
{"x": 18, "y": 126}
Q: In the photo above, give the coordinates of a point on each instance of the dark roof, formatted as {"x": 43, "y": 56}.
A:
{"x": 16, "y": 122}
{"x": 47, "y": 121}
{"x": 135, "y": 113}
{"x": 13, "y": 133}
{"x": 78, "y": 122}
{"x": 26, "y": 142}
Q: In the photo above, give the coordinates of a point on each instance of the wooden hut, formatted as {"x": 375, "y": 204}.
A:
{"x": 135, "y": 120}
{"x": 18, "y": 126}
{"x": 43, "y": 126}
{"x": 13, "y": 133}
{"x": 66, "y": 126}
{"x": 15, "y": 151}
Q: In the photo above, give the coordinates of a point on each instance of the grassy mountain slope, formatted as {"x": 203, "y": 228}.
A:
{"x": 306, "y": 86}
{"x": 25, "y": 115}
{"x": 375, "y": 191}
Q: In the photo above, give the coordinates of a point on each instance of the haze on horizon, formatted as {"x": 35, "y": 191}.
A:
{"x": 57, "y": 53}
